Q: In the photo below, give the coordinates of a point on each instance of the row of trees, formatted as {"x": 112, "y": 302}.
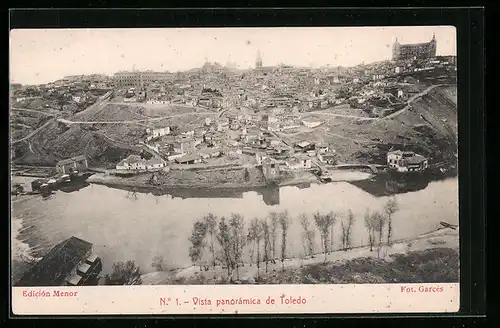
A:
{"x": 377, "y": 222}
{"x": 230, "y": 237}
{"x": 227, "y": 238}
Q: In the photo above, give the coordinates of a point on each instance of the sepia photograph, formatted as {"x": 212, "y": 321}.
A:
{"x": 233, "y": 156}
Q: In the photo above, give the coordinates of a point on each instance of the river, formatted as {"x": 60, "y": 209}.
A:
{"x": 125, "y": 225}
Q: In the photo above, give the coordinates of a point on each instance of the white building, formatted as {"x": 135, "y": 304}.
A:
{"x": 311, "y": 123}
{"x": 158, "y": 102}
{"x": 296, "y": 163}
{"x": 156, "y": 133}
{"x": 406, "y": 161}
{"x": 134, "y": 162}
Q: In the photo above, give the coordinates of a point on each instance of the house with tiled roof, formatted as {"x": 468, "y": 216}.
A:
{"x": 406, "y": 161}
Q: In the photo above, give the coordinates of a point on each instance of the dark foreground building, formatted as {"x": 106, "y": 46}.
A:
{"x": 69, "y": 263}
{"x": 414, "y": 51}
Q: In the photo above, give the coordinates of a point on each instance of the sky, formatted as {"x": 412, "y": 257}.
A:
{"x": 41, "y": 56}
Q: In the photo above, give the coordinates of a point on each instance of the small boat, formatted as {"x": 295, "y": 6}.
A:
{"x": 52, "y": 182}
{"x": 76, "y": 176}
{"x": 448, "y": 225}
{"x": 45, "y": 190}
{"x": 65, "y": 178}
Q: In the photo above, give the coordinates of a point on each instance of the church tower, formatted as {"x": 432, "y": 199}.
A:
{"x": 396, "y": 50}
{"x": 432, "y": 46}
{"x": 258, "y": 60}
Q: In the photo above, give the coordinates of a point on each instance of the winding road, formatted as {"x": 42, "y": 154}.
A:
{"x": 32, "y": 111}
{"x": 360, "y": 118}
{"x": 31, "y": 134}
{"x": 66, "y": 121}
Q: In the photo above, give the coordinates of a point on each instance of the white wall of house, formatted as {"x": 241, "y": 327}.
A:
{"x": 175, "y": 156}
{"x": 311, "y": 124}
{"x": 161, "y": 132}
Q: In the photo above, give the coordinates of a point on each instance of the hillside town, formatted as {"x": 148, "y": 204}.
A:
{"x": 223, "y": 127}
{"x": 248, "y": 117}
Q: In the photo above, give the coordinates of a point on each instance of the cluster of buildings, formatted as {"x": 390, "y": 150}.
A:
{"x": 294, "y": 88}
{"x": 71, "y": 92}
{"x": 247, "y": 138}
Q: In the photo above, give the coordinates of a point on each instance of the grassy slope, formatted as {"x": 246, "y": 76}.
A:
{"x": 422, "y": 129}
{"x": 429, "y": 266}
{"x": 427, "y": 258}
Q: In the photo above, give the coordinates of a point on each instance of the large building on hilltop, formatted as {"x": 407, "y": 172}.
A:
{"x": 414, "y": 51}
{"x": 139, "y": 79}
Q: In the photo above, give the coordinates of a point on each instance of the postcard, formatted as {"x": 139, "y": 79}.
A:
{"x": 234, "y": 170}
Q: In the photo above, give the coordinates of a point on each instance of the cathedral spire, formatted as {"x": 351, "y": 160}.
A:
{"x": 258, "y": 60}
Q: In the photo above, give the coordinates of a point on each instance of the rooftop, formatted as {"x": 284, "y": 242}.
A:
{"x": 57, "y": 263}
{"x": 415, "y": 159}
{"x": 131, "y": 159}
{"x": 303, "y": 144}
{"x": 188, "y": 158}
{"x": 153, "y": 161}
{"x": 71, "y": 160}
{"x": 74, "y": 279}
{"x": 402, "y": 153}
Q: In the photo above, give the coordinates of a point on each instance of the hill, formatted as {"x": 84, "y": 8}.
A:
{"x": 429, "y": 127}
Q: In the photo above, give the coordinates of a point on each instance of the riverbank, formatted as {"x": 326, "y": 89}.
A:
{"x": 440, "y": 247}
{"x": 231, "y": 178}
{"x": 108, "y": 216}
{"x": 177, "y": 179}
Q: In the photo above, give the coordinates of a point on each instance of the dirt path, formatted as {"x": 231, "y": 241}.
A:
{"x": 412, "y": 99}
{"x": 66, "y": 121}
{"x": 97, "y": 106}
{"x": 360, "y": 118}
{"x": 32, "y": 111}
{"x": 31, "y": 134}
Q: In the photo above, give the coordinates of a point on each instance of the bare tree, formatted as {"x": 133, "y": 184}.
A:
{"x": 284, "y": 221}
{"x": 390, "y": 208}
{"x": 251, "y": 244}
{"x": 157, "y": 263}
{"x": 197, "y": 242}
{"x": 323, "y": 223}
{"x": 333, "y": 217}
{"x": 265, "y": 233}
{"x": 379, "y": 221}
{"x": 307, "y": 235}
{"x": 225, "y": 242}
{"x": 237, "y": 226}
{"x": 343, "y": 226}
{"x": 255, "y": 234}
{"x": 370, "y": 227}
{"x": 211, "y": 223}
{"x": 274, "y": 230}
{"x": 348, "y": 229}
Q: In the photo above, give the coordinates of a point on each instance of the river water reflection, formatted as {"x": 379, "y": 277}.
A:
{"x": 133, "y": 225}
